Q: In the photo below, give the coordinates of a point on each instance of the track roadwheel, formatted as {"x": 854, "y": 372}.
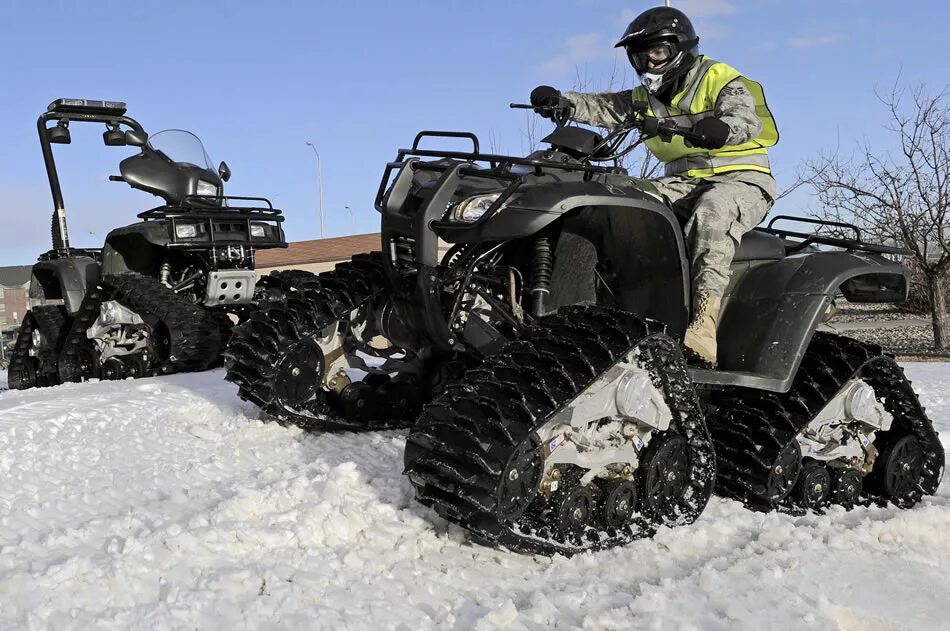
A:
{"x": 619, "y": 502}
{"x": 113, "y": 369}
{"x": 814, "y": 486}
{"x": 664, "y": 476}
{"x": 898, "y": 470}
{"x": 784, "y": 473}
{"x": 846, "y": 487}
{"x": 575, "y": 512}
{"x": 521, "y": 478}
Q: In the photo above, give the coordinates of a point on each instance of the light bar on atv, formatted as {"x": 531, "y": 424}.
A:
{"x": 87, "y": 106}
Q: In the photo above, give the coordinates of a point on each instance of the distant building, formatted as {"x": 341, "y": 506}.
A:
{"x": 320, "y": 255}
{"x": 14, "y": 294}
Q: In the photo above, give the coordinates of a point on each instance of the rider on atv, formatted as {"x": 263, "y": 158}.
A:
{"x": 720, "y": 186}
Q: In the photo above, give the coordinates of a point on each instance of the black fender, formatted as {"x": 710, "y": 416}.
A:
{"x": 135, "y": 248}
{"x": 66, "y": 279}
{"x": 538, "y": 205}
{"x": 656, "y": 258}
{"x": 770, "y": 315}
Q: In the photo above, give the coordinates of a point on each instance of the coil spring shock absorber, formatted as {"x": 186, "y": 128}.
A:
{"x": 542, "y": 267}
{"x": 165, "y": 274}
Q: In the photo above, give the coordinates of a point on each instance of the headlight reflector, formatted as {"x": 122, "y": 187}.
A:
{"x": 257, "y": 230}
{"x": 207, "y": 189}
{"x": 472, "y": 209}
{"x": 186, "y": 230}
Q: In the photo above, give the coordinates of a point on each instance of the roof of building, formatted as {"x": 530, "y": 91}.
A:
{"x": 318, "y": 250}
{"x": 15, "y": 275}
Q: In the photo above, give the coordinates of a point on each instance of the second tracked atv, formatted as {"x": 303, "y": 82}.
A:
{"x": 156, "y": 297}
{"x": 555, "y": 428}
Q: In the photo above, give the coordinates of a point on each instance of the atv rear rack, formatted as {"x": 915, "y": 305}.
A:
{"x": 815, "y": 238}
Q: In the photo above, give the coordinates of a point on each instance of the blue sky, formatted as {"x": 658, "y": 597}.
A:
{"x": 257, "y": 80}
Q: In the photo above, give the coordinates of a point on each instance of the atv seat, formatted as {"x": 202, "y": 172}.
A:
{"x": 759, "y": 246}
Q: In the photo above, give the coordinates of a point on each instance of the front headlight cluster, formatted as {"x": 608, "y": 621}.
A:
{"x": 186, "y": 230}
{"x": 207, "y": 189}
{"x": 471, "y": 209}
{"x": 258, "y": 230}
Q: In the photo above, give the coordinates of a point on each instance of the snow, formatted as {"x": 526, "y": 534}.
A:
{"x": 163, "y": 503}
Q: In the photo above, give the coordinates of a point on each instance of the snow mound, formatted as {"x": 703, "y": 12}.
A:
{"x": 163, "y": 503}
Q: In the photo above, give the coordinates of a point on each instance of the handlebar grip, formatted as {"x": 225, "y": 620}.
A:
{"x": 116, "y": 178}
{"x": 520, "y": 106}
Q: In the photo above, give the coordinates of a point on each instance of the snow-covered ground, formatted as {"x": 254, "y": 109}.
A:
{"x": 163, "y": 503}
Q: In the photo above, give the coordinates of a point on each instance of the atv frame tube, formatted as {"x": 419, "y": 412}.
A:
{"x": 67, "y": 114}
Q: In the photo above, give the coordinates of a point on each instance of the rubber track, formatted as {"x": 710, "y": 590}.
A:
{"x": 52, "y": 322}
{"x": 750, "y": 427}
{"x": 194, "y": 335}
{"x": 464, "y": 438}
{"x": 311, "y": 304}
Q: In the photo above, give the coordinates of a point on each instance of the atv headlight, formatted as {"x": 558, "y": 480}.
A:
{"x": 258, "y": 230}
{"x": 207, "y": 189}
{"x": 471, "y": 209}
{"x": 186, "y": 230}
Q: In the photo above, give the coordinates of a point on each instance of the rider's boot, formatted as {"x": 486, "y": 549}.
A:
{"x": 700, "y": 339}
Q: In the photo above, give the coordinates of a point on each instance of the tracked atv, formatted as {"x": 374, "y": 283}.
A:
{"x": 547, "y": 427}
{"x": 156, "y": 297}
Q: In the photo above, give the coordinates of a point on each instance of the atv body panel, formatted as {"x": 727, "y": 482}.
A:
{"x": 773, "y": 307}
{"x": 66, "y": 279}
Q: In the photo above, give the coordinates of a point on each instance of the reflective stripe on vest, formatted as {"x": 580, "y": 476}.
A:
{"x": 698, "y": 101}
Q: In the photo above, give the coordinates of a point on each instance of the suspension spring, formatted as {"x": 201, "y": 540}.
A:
{"x": 165, "y": 274}
{"x": 542, "y": 268}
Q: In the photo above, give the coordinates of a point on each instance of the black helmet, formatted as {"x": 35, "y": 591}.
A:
{"x": 662, "y": 46}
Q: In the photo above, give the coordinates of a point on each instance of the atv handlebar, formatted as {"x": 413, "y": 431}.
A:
{"x": 649, "y": 126}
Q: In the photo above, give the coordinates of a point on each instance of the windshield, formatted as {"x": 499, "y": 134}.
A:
{"x": 181, "y": 146}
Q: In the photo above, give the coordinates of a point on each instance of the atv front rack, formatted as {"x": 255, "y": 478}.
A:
{"x": 224, "y": 225}
{"x": 500, "y": 168}
{"x": 815, "y": 238}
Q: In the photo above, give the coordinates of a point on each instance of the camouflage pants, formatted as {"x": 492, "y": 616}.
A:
{"x": 717, "y": 211}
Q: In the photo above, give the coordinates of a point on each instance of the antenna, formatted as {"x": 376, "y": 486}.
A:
{"x": 667, "y": 2}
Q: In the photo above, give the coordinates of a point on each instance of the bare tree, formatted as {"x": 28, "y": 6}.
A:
{"x": 900, "y": 196}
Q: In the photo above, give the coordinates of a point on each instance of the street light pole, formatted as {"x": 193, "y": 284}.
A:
{"x": 352, "y": 221}
{"x": 319, "y": 182}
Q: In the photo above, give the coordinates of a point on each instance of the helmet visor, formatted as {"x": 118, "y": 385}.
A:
{"x": 652, "y": 58}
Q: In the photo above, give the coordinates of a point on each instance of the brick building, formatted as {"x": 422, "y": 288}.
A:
{"x": 320, "y": 255}
{"x": 14, "y": 289}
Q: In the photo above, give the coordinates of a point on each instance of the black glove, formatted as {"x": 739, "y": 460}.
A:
{"x": 547, "y": 101}
{"x": 545, "y": 96}
{"x": 714, "y": 133}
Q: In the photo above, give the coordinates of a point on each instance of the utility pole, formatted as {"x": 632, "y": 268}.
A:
{"x": 319, "y": 182}
{"x": 352, "y": 221}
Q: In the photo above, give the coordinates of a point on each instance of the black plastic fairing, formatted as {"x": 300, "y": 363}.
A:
{"x": 772, "y": 311}
{"x": 152, "y": 172}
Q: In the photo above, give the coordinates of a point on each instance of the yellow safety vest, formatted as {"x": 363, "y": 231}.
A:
{"x": 697, "y": 101}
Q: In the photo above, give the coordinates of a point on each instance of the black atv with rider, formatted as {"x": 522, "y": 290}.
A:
{"x": 556, "y": 428}
{"x": 160, "y": 295}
